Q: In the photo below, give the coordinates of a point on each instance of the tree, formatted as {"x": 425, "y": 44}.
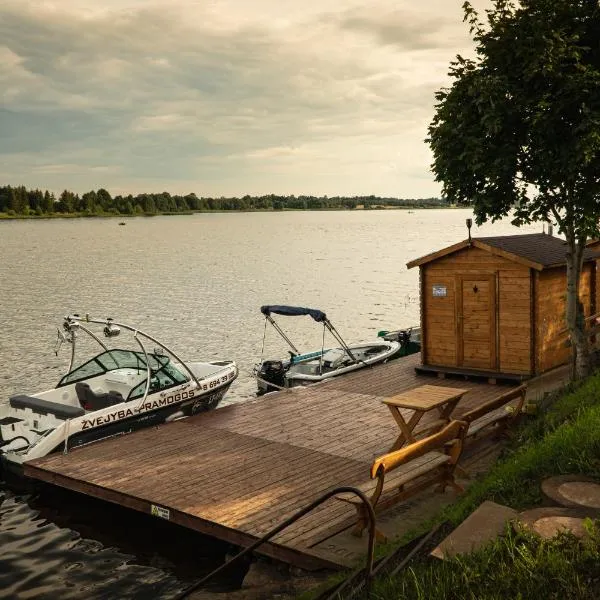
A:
{"x": 104, "y": 199}
{"x": 67, "y": 202}
{"x": 518, "y": 131}
{"x": 88, "y": 202}
{"x": 48, "y": 203}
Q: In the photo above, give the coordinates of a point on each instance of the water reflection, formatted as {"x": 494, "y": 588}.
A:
{"x": 56, "y": 543}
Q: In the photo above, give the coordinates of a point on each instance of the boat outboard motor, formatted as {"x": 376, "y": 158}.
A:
{"x": 273, "y": 371}
{"x": 404, "y": 338}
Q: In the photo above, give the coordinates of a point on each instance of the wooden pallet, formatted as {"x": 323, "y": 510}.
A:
{"x": 490, "y": 377}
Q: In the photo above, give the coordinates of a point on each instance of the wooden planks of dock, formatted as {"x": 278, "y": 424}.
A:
{"x": 237, "y": 472}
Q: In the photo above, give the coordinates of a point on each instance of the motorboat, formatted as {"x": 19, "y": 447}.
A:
{"x": 114, "y": 392}
{"x": 319, "y": 365}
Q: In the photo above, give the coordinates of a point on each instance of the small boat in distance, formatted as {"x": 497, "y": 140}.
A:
{"x": 115, "y": 392}
{"x": 319, "y": 365}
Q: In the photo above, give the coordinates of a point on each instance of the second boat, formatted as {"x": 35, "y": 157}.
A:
{"x": 311, "y": 367}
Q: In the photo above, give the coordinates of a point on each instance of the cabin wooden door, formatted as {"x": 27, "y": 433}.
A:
{"x": 476, "y": 321}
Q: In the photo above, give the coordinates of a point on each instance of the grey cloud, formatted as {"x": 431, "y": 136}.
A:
{"x": 152, "y": 95}
{"x": 407, "y": 30}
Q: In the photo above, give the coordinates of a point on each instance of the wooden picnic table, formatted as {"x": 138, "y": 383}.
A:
{"x": 421, "y": 400}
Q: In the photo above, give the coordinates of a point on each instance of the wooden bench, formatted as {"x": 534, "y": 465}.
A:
{"x": 494, "y": 416}
{"x": 432, "y": 459}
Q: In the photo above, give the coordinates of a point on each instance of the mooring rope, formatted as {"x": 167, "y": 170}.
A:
{"x": 262, "y": 351}
{"x": 322, "y": 351}
{"x": 270, "y": 383}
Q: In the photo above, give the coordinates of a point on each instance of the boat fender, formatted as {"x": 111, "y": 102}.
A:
{"x": 177, "y": 415}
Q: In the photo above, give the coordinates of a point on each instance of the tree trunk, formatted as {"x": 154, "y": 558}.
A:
{"x": 575, "y": 317}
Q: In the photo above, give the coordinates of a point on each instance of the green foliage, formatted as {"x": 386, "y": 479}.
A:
{"x": 568, "y": 406}
{"x": 519, "y": 127}
{"x": 564, "y": 439}
{"x": 518, "y": 132}
{"x": 22, "y": 202}
{"x": 518, "y": 565}
{"x": 572, "y": 447}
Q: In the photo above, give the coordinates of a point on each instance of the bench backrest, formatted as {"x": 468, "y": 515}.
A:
{"x": 450, "y": 438}
{"x": 497, "y": 402}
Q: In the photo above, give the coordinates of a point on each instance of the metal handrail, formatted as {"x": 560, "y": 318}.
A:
{"x": 287, "y": 523}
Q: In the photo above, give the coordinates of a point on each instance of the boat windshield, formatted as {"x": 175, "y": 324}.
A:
{"x": 160, "y": 366}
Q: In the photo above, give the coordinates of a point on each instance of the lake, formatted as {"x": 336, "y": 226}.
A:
{"x": 196, "y": 283}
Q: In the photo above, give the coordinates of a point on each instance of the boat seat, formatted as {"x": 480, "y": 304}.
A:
{"x": 335, "y": 358}
{"x": 44, "y": 407}
{"x": 89, "y": 400}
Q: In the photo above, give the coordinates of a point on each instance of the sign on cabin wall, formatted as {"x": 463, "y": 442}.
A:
{"x": 439, "y": 291}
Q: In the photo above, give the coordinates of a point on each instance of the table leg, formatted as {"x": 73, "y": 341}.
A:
{"x": 446, "y": 409}
{"x": 405, "y": 428}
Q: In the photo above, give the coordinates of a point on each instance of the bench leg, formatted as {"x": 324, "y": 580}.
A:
{"x": 462, "y": 473}
{"x": 441, "y": 487}
{"x": 363, "y": 523}
{"x": 457, "y": 488}
{"x": 380, "y": 536}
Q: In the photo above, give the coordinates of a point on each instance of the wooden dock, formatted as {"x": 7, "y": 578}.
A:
{"x": 237, "y": 472}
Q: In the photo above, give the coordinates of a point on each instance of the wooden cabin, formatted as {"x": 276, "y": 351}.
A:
{"x": 496, "y": 305}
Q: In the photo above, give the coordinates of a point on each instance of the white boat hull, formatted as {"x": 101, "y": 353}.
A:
{"x": 315, "y": 367}
{"x": 32, "y": 426}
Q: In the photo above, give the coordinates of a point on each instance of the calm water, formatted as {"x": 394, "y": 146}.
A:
{"x": 196, "y": 283}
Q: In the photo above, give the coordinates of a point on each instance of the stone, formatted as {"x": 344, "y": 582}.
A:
{"x": 580, "y": 492}
{"x": 548, "y": 522}
{"x": 574, "y": 491}
{"x": 548, "y": 527}
{"x": 484, "y": 524}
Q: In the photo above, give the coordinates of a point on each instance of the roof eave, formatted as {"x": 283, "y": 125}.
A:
{"x": 417, "y": 262}
{"x": 477, "y": 244}
{"x": 564, "y": 262}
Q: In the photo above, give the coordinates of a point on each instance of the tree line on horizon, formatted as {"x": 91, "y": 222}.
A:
{"x": 20, "y": 201}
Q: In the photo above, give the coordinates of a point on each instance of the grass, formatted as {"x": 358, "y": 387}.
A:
{"x": 517, "y": 565}
{"x": 564, "y": 439}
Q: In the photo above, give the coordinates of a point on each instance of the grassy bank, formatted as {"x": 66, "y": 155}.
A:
{"x": 518, "y": 565}
{"x": 565, "y": 439}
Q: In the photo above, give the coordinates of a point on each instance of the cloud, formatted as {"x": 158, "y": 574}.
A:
{"x": 207, "y": 97}
{"x": 405, "y": 28}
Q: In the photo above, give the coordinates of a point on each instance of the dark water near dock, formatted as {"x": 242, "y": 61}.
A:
{"x": 55, "y": 544}
{"x": 195, "y": 282}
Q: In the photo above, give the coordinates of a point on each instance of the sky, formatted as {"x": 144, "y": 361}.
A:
{"x": 224, "y": 97}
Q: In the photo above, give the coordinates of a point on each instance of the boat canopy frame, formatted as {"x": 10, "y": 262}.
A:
{"x": 73, "y": 323}
{"x": 294, "y": 311}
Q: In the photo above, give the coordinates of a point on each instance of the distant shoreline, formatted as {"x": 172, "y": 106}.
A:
{"x": 16, "y": 217}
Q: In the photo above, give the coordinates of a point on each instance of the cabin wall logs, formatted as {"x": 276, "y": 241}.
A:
{"x": 529, "y": 307}
{"x": 441, "y": 320}
{"x": 552, "y": 339}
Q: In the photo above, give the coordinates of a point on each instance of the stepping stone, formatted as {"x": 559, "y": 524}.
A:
{"x": 486, "y": 523}
{"x": 574, "y": 491}
{"x": 549, "y": 521}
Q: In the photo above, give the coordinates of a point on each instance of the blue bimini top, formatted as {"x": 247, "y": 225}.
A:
{"x": 294, "y": 311}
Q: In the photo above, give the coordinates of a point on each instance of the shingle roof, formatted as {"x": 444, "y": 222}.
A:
{"x": 536, "y": 250}
{"x": 540, "y": 248}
